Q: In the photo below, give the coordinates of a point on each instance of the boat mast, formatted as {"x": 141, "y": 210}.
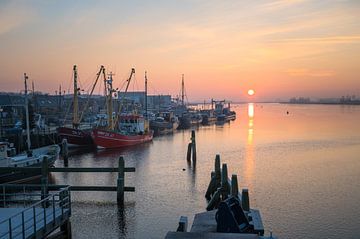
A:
{"x": 91, "y": 92}
{"x": 123, "y": 95}
{"x": 146, "y": 114}
{"x": 27, "y": 113}
{"x": 76, "y": 102}
{"x": 182, "y": 90}
{"x": 109, "y": 104}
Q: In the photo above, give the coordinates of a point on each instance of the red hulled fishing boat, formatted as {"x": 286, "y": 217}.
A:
{"x": 126, "y": 130}
{"x": 78, "y": 134}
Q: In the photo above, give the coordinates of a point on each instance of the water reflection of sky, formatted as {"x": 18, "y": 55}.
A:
{"x": 293, "y": 165}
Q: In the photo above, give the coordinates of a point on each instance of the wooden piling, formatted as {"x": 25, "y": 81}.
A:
{"x": 193, "y": 143}
{"x": 120, "y": 181}
{"x": 65, "y": 152}
{"x": 217, "y": 170}
{"x": 188, "y": 156}
{"x": 44, "y": 179}
{"x": 245, "y": 202}
{"x": 224, "y": 182}
{"x": 234, "y": 186}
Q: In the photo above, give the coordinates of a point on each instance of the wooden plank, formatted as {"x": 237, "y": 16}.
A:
{"x": 74, "y": 170}
{"x": 100, "y": 188}
{"x": 209, "y": 235}
{"x": 90, "y": 170}
{"x": 204, "y": 222}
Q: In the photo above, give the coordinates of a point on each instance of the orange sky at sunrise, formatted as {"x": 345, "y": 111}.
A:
{"x": 278, "y": 48}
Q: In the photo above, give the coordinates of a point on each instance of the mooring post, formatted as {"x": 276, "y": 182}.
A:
{"x": 120, "y": 181}
{"x": 44, "y": 179}
{"x": 234, "y": 186}
{"x": 217, "y": 170}
{"x": 245, "y": 202}
{"x": 188, "y": 156}
{"x": 65, "y": 152}
{"x": 224, "y": 182}
{"x": 193, "y": 143}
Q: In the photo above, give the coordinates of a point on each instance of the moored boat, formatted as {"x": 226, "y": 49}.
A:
{"x": 127, "y": 130}
{"x": 31, "y": 158}
{"x": 75, "y": 134}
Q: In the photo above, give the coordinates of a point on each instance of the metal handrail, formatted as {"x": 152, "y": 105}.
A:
{"x": 63, "y": 201}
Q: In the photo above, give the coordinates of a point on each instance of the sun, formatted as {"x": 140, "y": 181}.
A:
{"x": 251, "y": 92}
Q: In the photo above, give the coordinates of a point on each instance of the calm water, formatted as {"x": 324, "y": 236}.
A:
{"x": 302, "y": 170}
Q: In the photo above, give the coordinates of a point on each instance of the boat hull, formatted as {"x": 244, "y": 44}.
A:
{"x": 16, "y": 177}
{"x": 76, "y": 136}
{"x": 109, "y": 139}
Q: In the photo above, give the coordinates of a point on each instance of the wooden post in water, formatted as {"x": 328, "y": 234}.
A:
{"x": 217, "y": 170}
{"x": 224, "y": 182}
{"x": 188, "y": 156}
{"x": 234, "y": 186}
{"x": 245, "y": 202}
{"x": 44, "y": 179}
{"x": 120, "y": 181}
{"x": 65, "y": 152}
{"x": 193, "y": 143}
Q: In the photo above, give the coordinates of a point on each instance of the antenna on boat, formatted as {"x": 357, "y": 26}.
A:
{"x": 27, "y": 113}
{"x": 146, "y": 113}
{"x": 76, "y": 102}
{"x": 182, "y": 90}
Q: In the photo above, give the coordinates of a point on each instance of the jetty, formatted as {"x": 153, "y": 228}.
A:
{"x": 228, "y": 213}
{"x": 32, "y": 214}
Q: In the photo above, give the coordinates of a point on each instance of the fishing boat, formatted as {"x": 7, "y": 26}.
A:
{"x": 208, "y": 117}
{"x": 78, "y": 134}
{"x": 164, "y": 123}
{"x": 30, "y": 158}
{"x": 223, "y": 114}
{"x": 128, "y": 128}
{"x": 33, "y": 158}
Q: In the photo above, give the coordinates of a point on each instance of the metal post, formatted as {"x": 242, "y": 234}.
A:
{"x": 120, "y": 181}
{"x": 10, "y": 228}
{"x": 23, "y": 224}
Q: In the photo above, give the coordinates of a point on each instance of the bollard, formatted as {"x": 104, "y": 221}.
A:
{"x": 245, "y": 202}
{"x": 65, "y": 152}
{"x": 224, "y": 182}
{"x": 120, "y": 181}
{"x": 234, "y": 186}
{"x": 217, "y": 170}
{"x": 193, "y": 142}
{"x": 183, "y": 223}
{"x": 188, "y": 156}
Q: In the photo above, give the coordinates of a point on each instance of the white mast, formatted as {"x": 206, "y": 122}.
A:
{"x": 27, "y": 113}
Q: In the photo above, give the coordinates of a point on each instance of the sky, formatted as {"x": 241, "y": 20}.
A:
{"x": 280, "y": 48}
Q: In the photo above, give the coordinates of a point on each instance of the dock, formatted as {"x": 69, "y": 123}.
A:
{"x": 34, "y": 215}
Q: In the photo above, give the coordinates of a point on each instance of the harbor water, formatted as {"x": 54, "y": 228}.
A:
{"x": 300, "y": 163}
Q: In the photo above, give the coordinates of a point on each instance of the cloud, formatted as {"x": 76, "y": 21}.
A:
{"x": 321, "y": 40}
{"x": 309, "y": 72}
{"x": 281, "y": 4}
{"x": 14, "y": 15}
